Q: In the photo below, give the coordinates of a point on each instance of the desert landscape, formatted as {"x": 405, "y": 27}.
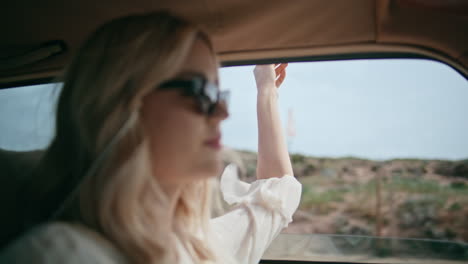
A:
{"x": 400, "y": 198}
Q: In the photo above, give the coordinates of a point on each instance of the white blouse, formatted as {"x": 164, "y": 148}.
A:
{"x": 260, "y": 211}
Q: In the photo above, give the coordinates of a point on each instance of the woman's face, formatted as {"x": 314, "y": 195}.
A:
{"x": 185, "y": 143}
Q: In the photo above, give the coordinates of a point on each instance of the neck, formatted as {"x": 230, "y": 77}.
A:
{"x": 173, "y": 194}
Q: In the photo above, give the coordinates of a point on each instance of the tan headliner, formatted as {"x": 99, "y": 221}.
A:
{"x": 246, "y": 29}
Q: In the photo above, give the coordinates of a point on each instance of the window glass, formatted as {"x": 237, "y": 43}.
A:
{"x": 27, "y": 116}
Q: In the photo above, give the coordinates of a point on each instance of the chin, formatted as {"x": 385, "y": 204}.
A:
{"x": 212, "y": 168}
{"x": 217, "y": 168}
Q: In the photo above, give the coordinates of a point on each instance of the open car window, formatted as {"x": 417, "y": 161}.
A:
{"x": 380, "y": 146}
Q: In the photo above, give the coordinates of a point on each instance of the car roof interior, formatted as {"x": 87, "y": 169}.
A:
{"x": 39, "y": 38}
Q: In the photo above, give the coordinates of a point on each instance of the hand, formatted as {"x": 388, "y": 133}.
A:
{"x": 269, "y": 77}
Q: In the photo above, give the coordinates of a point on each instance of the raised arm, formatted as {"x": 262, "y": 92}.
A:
{"x": 273, "y": 158}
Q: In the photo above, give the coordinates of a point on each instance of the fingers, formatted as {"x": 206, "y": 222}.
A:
{"x": 280, "y": 71}
{"x": 279, "y": 67}
{"x": 284, "y": 63}
{"x": 280, "y": 78}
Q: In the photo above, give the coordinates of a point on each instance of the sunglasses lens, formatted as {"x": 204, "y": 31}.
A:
{"x": 206, "y": 93}
{"x": 221, "y": 101}
{"x": 198, "y": 85}
{"x": 211, "y": 91}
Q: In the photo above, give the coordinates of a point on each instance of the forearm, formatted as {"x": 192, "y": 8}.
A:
{"x": 273, "y": 158}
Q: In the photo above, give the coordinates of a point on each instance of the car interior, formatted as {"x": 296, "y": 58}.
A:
{"x": 40, "y": 38}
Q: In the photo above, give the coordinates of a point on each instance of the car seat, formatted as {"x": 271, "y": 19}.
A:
{"x": 15, "y": 168}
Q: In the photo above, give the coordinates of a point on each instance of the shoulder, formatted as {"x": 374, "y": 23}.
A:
{"x": 61, "y": 243}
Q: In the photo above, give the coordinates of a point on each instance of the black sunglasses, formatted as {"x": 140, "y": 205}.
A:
{"x": 207, "y": 94}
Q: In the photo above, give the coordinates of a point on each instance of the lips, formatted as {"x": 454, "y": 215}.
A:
{"x": 214, "y": 142}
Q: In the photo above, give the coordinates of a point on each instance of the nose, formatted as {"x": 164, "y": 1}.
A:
{"x": 221, "y": 112}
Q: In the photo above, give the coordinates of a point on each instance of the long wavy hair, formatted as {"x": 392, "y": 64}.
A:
{"x": 103, "y": 88}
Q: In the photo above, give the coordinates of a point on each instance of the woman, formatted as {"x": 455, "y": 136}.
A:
{"x": 137, "y": 142}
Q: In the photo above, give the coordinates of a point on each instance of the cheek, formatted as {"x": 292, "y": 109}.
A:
{"x": 175, "y": 133}
{"x": 176, "y": 137}
{"x": 181, "y": 148}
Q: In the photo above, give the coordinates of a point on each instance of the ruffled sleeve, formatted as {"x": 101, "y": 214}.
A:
{"x": 261, "y": 210}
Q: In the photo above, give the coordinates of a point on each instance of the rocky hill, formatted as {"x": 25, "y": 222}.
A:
{"x": 408, "y": 198}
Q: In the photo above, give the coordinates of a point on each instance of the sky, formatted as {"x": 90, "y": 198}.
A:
{"x": 374, "y": 109}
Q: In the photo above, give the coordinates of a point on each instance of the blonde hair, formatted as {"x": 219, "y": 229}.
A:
{"x": 103, "y": 87}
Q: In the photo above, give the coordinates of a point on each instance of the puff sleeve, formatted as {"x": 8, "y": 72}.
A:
{"x": 261, "y": 210}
